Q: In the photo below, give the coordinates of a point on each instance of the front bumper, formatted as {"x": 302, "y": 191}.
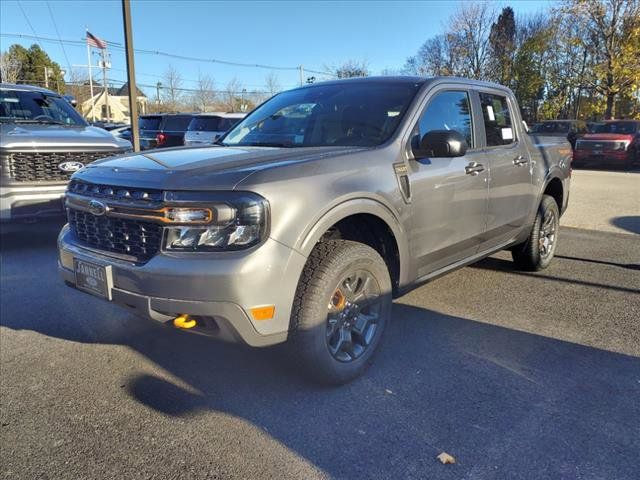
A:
{"x": 28, "y": 202}
{"x": 588, "y": 156}
{"x": 221, "y": 288}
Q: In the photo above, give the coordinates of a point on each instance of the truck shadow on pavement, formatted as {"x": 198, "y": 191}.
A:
{"x": 505, "y": 403}
{"x": 629, "y": 223}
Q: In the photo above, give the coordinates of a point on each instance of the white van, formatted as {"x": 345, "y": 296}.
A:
{"x": 205, "y": 128}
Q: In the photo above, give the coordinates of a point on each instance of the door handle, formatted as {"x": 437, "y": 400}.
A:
{"x": 520, "y": 160}
{"x": 474, "y": 168}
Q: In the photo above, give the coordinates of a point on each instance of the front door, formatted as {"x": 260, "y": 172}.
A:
{"x": 448, "y": 195}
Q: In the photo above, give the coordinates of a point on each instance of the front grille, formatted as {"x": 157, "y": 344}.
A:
{"x": 111, "y": 192}
{"x": 43, "y": 166}
{"x": 124, "y": 236}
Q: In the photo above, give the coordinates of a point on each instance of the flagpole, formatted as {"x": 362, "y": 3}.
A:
{"x": 93, "y": 107}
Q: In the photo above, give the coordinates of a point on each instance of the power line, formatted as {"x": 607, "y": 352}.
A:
{"x": 179, "y": 57}
{"x": 55, "y": 25}
{"x": 29, "y": 23}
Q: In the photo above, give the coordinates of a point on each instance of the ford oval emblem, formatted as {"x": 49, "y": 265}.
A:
{"x": 70, "y": 166}
{"x": 97, "y": 208}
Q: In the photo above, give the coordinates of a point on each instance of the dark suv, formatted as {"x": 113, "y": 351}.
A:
{"x": 163, "y": 130}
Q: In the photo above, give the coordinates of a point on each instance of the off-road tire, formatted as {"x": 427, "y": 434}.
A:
{"x": 328, "y": 263}
{"x": 527, "y": 255}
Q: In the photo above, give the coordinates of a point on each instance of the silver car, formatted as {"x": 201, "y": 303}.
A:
{"x": 43, "y": 140}
{"x": 206, "y": 128}
{"x": 311, "y": 214}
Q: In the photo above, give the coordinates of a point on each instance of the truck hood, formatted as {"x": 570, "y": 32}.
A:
{"x": 607, "y": 136}
{"x": 207, "y": 168}
{"x": 58, "y": 136}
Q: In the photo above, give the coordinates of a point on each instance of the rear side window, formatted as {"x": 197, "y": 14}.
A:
{"x": 449, "y": 110}
{"x": 205, "y": 124}
{"x": 497, "y": 119}
{"x": 149, "y": 123}
{"x": 177, "y": 123}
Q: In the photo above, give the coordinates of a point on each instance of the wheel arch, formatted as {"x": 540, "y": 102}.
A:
{"x": 379, "y": 217}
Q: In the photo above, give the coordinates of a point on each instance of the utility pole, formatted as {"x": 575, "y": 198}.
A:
{"x": 301, "y": 68}
{"x": 104, "y": 82}
{"x": 131, "y": 75}
{"x": 46, "y": 77}
{"x": 158, "y": 87}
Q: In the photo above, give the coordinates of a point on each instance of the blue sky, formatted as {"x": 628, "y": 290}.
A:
{"x": 287, "y": 33}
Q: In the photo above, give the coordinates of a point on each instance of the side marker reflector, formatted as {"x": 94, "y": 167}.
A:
{"x": 263, "y": 313}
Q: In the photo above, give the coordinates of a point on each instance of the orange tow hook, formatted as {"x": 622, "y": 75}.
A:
{"x": 184, "y": 321}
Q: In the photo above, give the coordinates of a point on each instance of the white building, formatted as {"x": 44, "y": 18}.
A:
{"x": 113, "y": 107}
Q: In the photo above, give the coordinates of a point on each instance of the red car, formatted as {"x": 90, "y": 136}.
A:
{"x": 614, "y": 142}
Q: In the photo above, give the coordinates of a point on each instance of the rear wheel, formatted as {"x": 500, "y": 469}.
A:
{"x": 537, "y": 251}
{"x": 342, "y": 305}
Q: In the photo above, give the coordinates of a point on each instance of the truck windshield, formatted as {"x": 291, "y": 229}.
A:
{"x": 18, "y": 106}
{"x": 347, "y": 114}
{"x": 616, "y": 127}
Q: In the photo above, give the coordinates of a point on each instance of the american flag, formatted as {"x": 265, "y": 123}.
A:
{"x": 94, "y": 41}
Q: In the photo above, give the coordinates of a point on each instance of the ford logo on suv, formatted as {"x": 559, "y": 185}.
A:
{"x": 97, "y": 208}
{"x": 70, "y": 166}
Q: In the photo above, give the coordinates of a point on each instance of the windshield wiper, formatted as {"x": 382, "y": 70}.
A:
{"x": 221, "y": 143}
{"x": 267, "y": 144}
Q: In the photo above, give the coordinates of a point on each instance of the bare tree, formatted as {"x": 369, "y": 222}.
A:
{"x": 205, "y": 94}
{"x": 231, "y": 93}
{"x": 273, "y": 84}
{"x": 434, "y": 58}
{"x": 172, "y": 88}
{"x": 469, "y": 39}
{"x": 10, "y": 67}
{"x": 350, "y": 68}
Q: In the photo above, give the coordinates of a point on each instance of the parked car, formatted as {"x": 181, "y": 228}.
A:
{"x": 569, "y": 129}
{"x": 614, "y": 143}
{"x": 206, "y": 128}
{"x": 43, "y": 140}
{"x": 108, "y": 126}
{"x": 315, "y": 210}
{"x": 163, "y": 130}
{"x": 122, "y": 132}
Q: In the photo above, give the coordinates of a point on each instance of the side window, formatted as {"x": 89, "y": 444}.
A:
{"x": 497, "y": 119}
{"x": 448, "y": 110}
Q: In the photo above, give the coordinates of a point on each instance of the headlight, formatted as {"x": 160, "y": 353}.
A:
{"x": 622, "y": 145}
{"x": 225, "y": 221}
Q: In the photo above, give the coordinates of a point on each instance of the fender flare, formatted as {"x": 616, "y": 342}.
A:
{"x": 354, "y": 206}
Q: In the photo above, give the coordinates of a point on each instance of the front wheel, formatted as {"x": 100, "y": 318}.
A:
{"x": 342, "y": 305}
{"x": 537, "y": 251}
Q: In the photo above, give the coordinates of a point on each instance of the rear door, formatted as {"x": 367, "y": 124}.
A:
{"x": 448, "y": 195}
{"x": 511, "y": 193}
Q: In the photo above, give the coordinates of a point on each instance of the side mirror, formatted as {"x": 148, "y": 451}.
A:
{"x": 441, "y": 143}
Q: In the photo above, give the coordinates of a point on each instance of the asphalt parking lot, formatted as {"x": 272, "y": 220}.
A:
{"x": 517, "y": 375}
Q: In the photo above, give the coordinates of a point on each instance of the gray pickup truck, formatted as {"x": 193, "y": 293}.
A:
{"x": 312, "y": 213}
{"x": 43, "y": 140}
